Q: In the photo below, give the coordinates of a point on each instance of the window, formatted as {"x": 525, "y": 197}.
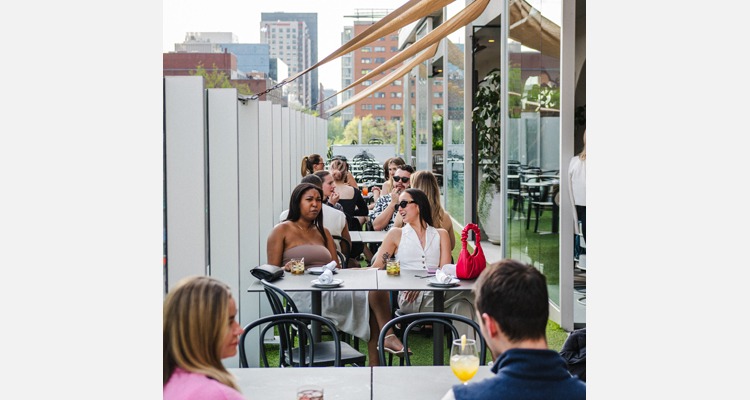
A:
{"x": 438, "y": 95}
{"x": 367, "y": 106}
{"x": 379, "y": 60}
{"x": 366, "y": 49}
{"x": 437, "y": 82}
{"x": 366, "y": 60}
{"x": 366, "y": 71}
{"x": 394, "y": 49}
{"x": 379, "y": 49}
{"x": 394, "y": 37}
{"x": 395, "y": 118}
{"x": 380, "y": 95}
{"x": 382, "y": 39}
{"x": 397, "y": 82}
{"x": 396, "y": 106}
{"x": 380, "y": 106}
{"x": 396, "y": 95}
{"x": 438, "y": 106}
{"x": 379, "y": 118}
{"x": 367, "y": 83}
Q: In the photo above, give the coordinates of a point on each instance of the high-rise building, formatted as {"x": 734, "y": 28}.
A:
{"x": 386, "y": 103}
{"x": 297, "y": 46}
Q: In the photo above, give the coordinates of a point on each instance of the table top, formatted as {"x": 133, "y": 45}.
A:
{"x": 354, "y": 279}
{"x": 349, "y": 383}
{"x": 368, "y": 236}
{"x": 408, "y": 281}
{"x": 430, "y": 382}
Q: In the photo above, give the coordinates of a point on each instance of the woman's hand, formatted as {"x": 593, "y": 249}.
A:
{"x": 411, "y": 296}
{"x": 333, "y": 198}
{"x": 288, "y": 266}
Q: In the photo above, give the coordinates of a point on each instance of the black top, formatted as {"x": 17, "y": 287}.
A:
{"x": 353, "y": 207}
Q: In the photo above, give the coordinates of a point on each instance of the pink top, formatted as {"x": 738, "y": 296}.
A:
{"x": 184, "y": 385}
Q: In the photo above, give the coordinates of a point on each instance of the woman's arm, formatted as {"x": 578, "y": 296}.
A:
{"x": 362, "y": 209}
{"x": 388, "y": 248}
{"x": 445, "y": 251}
{"x": 275, "y": 245}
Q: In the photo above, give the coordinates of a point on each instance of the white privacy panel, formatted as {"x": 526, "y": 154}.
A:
{"x": 223, "y": 203}
{"x": 276, "y": 171}
{"x": 185, "y": 164}
{"x": 265, "y": 182}
{"x": 286, "y": 156}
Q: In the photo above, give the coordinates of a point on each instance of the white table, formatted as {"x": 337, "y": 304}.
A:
{"x": 354, "y": 280}
{"x": 416, "y": 383}
{"x": 349, "y": 383}
{"x": 368, "y": 236}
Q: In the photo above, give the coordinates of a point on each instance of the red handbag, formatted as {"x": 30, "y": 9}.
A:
{"x": 469, "y": 266}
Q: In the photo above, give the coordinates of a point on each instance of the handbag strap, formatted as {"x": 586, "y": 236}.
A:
{"x": 465, "y": 234}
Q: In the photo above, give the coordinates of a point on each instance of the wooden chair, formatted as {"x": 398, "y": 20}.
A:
{"x": 409, "y": 322}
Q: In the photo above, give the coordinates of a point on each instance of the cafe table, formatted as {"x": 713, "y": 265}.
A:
{"x": 346, "y": 383}
{"x": 368, "y": 236}
{"x": 417, "y": 382}
{"x": 354, "y": 280}
{"x": 410, "y": 279}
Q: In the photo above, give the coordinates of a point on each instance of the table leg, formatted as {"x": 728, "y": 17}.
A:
{"x": 316, "y": 300}
{"x": 437, "y": 329}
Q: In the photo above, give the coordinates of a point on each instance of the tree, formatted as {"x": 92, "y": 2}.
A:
{"x": 219, "y": 79}
{"x": 371, "y": 129}
{"x": 335, "y": 130}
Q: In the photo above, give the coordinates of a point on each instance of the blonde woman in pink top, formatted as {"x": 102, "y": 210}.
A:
{"x": 200, "y": 330}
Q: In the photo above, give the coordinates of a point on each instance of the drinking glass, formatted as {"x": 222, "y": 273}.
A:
{"x": 464, "y": 359}
{"x": 393, "y": 267}
{"x": 298, "y": 266}
{"x": 310, "y": 392}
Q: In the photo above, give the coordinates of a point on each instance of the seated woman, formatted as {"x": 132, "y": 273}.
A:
{"x": 311, "y": 164}
{"x": 428, "y": 183}
{"x": 199, "y": 330}
{"x": 302, "y": 235}
{"x": 351, "y": 200}
{"x": 417, "y": 246}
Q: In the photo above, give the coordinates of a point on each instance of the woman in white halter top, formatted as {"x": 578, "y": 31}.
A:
{"x": 417, "y": 246}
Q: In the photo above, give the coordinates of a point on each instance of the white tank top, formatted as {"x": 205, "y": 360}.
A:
{"x": 410, "y": 253}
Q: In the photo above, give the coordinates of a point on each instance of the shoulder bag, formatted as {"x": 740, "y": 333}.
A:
{"x": 469, "y": 266}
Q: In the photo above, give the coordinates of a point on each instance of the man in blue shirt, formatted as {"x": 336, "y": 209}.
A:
{"x": 511, "y": 306}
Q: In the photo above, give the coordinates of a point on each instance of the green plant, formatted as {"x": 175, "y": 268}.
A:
{"x": 487, "y": 117}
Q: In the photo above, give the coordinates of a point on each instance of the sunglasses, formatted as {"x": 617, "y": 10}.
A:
{"x": 404, "y": 203}
{"x": 403, "y": 179}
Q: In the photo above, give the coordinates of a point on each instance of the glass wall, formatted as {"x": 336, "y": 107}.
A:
{"x": 423, "y": 106}
{"x": 453, "y": 120}
{"x": 533, "y": 136}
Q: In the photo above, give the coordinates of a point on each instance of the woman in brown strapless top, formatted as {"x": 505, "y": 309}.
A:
{"x": 302, "y": 235}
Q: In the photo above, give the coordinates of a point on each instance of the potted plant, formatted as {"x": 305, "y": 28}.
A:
{"x": 487, "y": 117}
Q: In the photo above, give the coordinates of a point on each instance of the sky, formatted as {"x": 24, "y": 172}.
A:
{"x": 182, "y": 16}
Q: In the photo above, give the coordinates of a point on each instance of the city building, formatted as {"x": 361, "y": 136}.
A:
{"x": 293, "y": 38}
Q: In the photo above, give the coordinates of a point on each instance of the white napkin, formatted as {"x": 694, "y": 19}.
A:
{"x": 330, "y": 266}
{"x": 326, "y": 276}
{"x": 449, "y": 269}
{"x": 442, "y": 277}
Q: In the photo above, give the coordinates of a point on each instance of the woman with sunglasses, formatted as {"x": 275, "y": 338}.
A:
{"x": 311, "y": 164}
{"x": 418, "y": 245}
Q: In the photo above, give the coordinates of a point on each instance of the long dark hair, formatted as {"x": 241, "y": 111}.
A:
{"x": 420, "y": 199}
{"x": 294, "y": 209}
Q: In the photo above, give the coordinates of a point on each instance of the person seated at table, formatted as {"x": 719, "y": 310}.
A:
{"x": 333, "y": 219}
{"x": 351, "y": 199}
{"x": 427, "y": 182}
{"x": 330, "y": 197}
{"x": 310, "y": 164}
{"x": 302, "y": 234}
{"x": 199, "y": 329}
{"x": 383, "y": 215}
{"x": 389, "y": 168}
{"x": 417, "y": 246}
{"x": 512, "y": 307}
{"x": 349, "y": 180}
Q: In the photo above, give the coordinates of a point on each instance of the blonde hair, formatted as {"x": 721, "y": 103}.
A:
{"x": 427, "y": 182}
{"x": 196, "y": 315}
{"x": 339, "y": 170}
